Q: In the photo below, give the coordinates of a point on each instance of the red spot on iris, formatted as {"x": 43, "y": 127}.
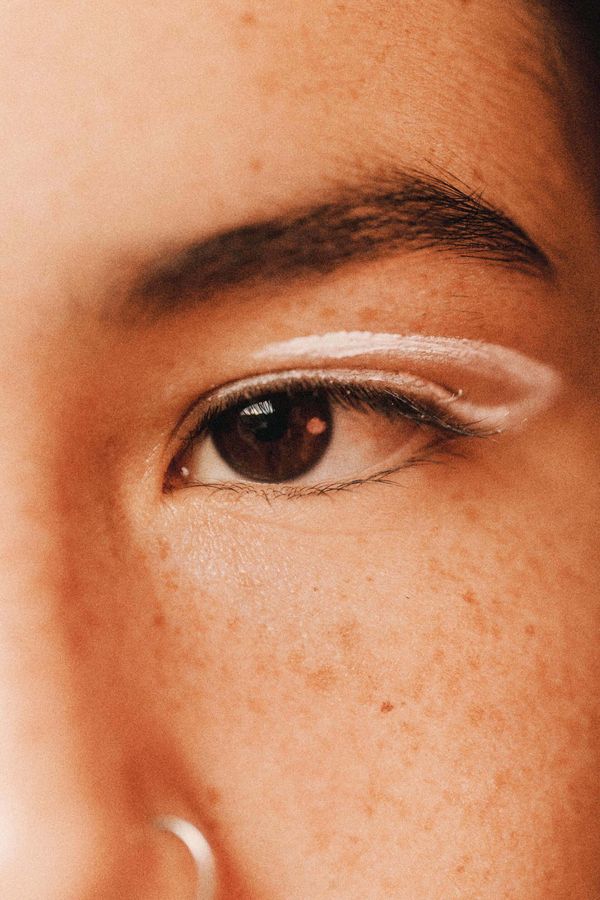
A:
{"x": 316, "y": 425}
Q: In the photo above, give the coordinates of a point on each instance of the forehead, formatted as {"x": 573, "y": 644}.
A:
{"x": 130, "y": 124}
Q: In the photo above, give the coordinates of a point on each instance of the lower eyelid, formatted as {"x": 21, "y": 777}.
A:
{"x": 440, "y": 450}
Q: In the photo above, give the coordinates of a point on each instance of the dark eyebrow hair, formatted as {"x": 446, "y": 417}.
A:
{"x": 404, "y": 212}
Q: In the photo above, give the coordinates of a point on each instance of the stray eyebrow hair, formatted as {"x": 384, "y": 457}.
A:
{"x": 403, "y": 213}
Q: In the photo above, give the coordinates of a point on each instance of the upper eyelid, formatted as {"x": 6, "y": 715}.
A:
{"x": 536, "y": 383}
{"x": 187, "y": 425}
{"x": 213, "y": 403}
{"x": 253, "y": 385}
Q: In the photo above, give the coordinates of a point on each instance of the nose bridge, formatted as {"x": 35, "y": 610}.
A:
{"x": 69, "y": 827}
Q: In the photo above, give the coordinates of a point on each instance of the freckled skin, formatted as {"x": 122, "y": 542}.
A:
{"x": 384, "y": 692}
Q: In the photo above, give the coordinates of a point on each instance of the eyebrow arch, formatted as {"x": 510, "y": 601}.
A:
{"x": 403, "y": 212}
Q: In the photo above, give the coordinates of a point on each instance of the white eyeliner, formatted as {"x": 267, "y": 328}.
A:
{"x": 535, "y": 382}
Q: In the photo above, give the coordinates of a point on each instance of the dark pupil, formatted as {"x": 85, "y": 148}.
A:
{"x": 277, "y": 437}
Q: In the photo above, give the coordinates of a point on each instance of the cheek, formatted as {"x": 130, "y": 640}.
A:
{"x": 344, "y": 695}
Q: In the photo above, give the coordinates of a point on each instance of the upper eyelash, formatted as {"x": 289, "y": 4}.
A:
{"x": 348, "y": 395}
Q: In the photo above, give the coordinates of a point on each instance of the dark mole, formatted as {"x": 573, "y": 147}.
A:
{"x": 386, "y": 706}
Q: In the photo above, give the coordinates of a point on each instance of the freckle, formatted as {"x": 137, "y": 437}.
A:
{"x": 171, "y": 584}
{"x": 262, "y": 668}
{"x": 322, "y": 679}
{"x": 465, "y": 861}
{"x": 248, "y": 18}
{"x": 296, "y": 661}
{"x": 233, "y": 624}
{"x": 322, "y": 840}
{"x": 386, "y": 706}
{"x": 471, "y": 513}
{"x": 501, "y": 779}
{"x": 469, "y": 597}
{"x": 349, "y": 636}
{"x": 529, "y": 629}
{"x": 417, "y": 688}
{"x": 476, "y": 714}
{"x": 159, "y": 620}
{"x": 256, "y": 165}
{"x": 256, "y": 706}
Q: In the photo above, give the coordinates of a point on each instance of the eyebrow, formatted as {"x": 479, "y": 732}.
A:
{"x": 404, "y": 212}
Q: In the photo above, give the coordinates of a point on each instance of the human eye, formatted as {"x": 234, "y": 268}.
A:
{"x": 361, "y": 408}
{"x": 300, "y": 432}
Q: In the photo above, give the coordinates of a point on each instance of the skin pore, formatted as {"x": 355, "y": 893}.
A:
{"x": 390, "y": 690}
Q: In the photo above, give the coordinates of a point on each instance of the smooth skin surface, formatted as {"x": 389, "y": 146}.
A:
{"x": 389, "y": 691}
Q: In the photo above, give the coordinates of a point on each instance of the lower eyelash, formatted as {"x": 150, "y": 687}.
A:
{"x": 426, "y": 456}
{"x": 438, "y": 451}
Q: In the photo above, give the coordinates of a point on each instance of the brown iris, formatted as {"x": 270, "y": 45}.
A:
{"x": 276, "y": 437}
